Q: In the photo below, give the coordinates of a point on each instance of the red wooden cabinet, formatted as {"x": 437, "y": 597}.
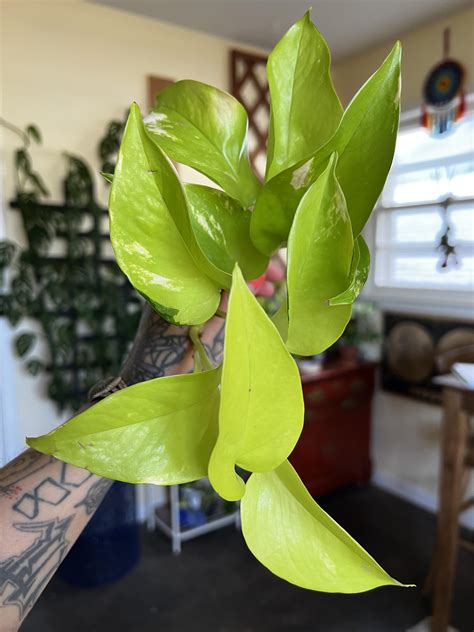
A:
{"x": 334, "y": 447}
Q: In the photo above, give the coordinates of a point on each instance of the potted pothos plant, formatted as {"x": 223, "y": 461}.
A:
{"x": 181, "y": 246}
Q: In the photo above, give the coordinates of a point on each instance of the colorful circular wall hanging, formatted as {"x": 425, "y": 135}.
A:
{"x": 443, "y": 94}
{"x": 444, "y": 83}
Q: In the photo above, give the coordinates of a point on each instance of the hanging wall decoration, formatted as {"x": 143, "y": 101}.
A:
{"x": 444, "y": 101}
{"x": 448, "y": 255}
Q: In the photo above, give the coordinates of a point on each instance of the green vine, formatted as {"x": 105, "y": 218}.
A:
{"x": 85, "y": 311}
{"x": 181, "y": 245}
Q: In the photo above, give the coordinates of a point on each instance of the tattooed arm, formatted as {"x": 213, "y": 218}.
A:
{"x": 163, "y": 349}
{"x": 45, "y": 504}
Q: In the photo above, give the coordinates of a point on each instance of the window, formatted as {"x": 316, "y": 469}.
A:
{"x": 430, "y": 188}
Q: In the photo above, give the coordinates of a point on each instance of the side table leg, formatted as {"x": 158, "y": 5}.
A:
{"x": 453, "y": 444}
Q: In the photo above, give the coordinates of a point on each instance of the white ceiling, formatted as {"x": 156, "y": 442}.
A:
{"x": 348, "y": 25}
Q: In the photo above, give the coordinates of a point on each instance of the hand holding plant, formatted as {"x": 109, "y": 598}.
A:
{"x": 181, "y": 245}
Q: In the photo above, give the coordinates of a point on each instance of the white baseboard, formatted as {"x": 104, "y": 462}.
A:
{"x": 415, "y": 495}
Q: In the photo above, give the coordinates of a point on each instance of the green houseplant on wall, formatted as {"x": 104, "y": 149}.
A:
{"x": 182, "y": 245}
{"x": 85, "y": 311}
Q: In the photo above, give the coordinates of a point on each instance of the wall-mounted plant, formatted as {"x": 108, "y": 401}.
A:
{"x": 181, "y": 246}
{"x": 110, "y": 144}
{"x": 86, "y": 311}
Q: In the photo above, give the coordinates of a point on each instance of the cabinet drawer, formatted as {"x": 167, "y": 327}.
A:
{"x": 347, "y": 390}
{"x": 333, "y": 449}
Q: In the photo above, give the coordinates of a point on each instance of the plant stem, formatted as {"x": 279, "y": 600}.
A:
{"x": 16, "y": 130}
{"x": 199, "y": 347}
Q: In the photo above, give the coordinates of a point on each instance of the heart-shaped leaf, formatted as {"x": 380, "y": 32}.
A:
{"x": 319, "y": 260}
{"x": 222, "y": 228}
{"x": 291, "y": 535}
{"x": 261, "y": 411}
{"x": 360, "y": 267}
{"x": 305, "y": 108}
{"x": 151, "y": 231}
{"x": 206, "y": 128}
{"x": 365, "y": 142}
{"x": 161, "y": 431}
{"x": 24, "y": 343}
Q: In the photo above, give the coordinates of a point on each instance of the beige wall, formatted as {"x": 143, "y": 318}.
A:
{"x": 70, "y": 67}
{"x": 422, "y": 48}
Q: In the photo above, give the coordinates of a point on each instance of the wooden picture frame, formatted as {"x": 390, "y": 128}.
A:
{"x": 155, "y": 85}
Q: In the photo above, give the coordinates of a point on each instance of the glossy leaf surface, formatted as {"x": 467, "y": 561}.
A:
{"x": 206, "y": 128}
{"x": 151, "y": 231}
{"x": 280, "y": 319}
{"x": 261, "y": 411}
{"x": 360, "y": 267}
{"x": 305, "y": 108}
{"x": 365, "y": 142}
{"x": 161, "y": 431}
{"x": 222, "y": 228}
{"x": 319, "y": 260}
{"x": 291, "y": 535}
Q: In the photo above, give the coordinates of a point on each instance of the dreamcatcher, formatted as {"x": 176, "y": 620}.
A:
{"x": 444, "y": 101}
{"x": 444, "y": 104}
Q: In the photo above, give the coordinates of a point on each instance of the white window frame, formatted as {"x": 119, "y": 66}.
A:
{"x": 458, "y": 303}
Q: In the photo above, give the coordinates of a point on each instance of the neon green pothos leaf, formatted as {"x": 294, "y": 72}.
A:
{"x": 151, "y": 231}
{"x": 365, "y": 142}
{"x": 206, "y": 128}
{"x": 280, "y": 319}
{"x": 291, "y": 535}
{"x": 222, "y": 228}
{"x": 161, "y": 431}
{"x": 360, "y": 267}
{"x": 261, "y": 411}
{"x": 319, "y": 259}
{"x": 108, "y": 177}
{"x": 305, "y": 108}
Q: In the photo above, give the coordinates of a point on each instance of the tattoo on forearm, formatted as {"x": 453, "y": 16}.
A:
{"x": 46, "y": 507}
{"x": 95, "y": 495}
{"x": 48, "y": 492}
{"x": 10, "y": 491}
{"x": 23, "y": 576}
{"x": 215, "y": 350}
{"x": 52, "y": 490}
{"x": 158, "y": 347}
{"x": 24, "y": 466}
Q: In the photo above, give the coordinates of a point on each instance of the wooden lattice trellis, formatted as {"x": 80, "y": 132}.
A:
{"x": 249, "y": 85}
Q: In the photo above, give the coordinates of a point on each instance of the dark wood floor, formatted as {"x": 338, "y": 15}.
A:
{"x": 217, "y": 586}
